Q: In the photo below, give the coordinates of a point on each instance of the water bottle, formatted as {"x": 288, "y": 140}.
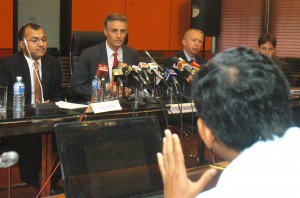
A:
{"x": 95, "y": 88}
{"x": 19, "y": 98}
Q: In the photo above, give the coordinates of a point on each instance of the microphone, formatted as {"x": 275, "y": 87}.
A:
{"x": 138, "y": 71}
{"x": 8, "y": 159}
{"x": 128, "y": 72}
{"x": 188, "y": 79}
{"x": 152, "y": 68}
{"x": 181, "y": 65}
{"x": 117, "y": 74}
{"x": 170, "y": 75}
{"x": 152, "y": 60}
{"x": 143, "y": 66}
{"x": 102, "y": 72}
{"x": 195, "y": 65}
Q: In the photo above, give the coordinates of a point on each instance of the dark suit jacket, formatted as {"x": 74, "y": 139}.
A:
{"x": 16, "y": 65}
{"x": 80, "y": 83}
{"x": 184, "y": 85}
{"x": 181, "y": 54}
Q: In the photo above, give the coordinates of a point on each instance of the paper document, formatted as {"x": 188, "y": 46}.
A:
{"x": 69, "y": 105}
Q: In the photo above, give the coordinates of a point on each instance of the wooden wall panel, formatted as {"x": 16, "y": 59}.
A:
{"x": 6, "y": 21}
{"x": 153, "y": 25}
{"x": 90, "y": 15}
{"x": 149, "y": 24}
{"x": 180, "y": 22}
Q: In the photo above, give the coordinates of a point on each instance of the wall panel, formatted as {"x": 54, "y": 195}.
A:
{"x": 180, "y": 20}
{"x": 149, "y": 24}
{"x": 90, "y": 15}
{"x": 6, "y": 21}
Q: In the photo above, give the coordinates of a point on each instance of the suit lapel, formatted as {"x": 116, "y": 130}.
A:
{"x": 125, "y": 54}
{"x": 26, "y": 78}
{"x": 102, "y": 58}
{"x": 46, "y": 76}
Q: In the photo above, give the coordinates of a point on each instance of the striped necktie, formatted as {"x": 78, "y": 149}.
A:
{"x": 37, "y": 83}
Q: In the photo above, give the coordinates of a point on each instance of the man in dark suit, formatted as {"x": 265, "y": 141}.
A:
{"x": 192, "y": 43}
{"x": 21, "y": 64}
{"x": 267, "y": 46}
{"x": 115, "y": 29}
{"x": 33, "y": 43}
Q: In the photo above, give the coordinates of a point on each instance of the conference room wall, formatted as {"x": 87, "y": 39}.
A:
{"x": 153, "y": 25}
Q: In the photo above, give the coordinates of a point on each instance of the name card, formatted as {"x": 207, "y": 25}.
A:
{"x": 100, "y": 107}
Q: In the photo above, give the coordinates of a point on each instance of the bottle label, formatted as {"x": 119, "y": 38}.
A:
{"x": 95, "y": 85}
{"x": 19, "y": 90}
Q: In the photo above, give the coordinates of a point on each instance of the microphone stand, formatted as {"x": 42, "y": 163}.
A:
{"x": 154, "y": 85}
{"x": 101, "y": 96}
{"x": 138, "y": 102}
{"x": 170, "y": 97}
{"x": 117, "y": 90}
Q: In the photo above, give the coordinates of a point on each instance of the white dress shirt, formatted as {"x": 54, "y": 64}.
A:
{"x": 110, "y": 57}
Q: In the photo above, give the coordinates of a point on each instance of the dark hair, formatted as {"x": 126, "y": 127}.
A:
{"x": 267, "y": 37}
{"x": 243, "y": 97}
{"x": 23, "y": 28}
{"x": 115, "y": 17}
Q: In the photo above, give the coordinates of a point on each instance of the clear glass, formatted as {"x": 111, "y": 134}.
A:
{"x": 3, "y": 99}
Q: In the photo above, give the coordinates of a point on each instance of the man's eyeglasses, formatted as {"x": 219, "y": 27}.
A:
{"x": 36, "y": 40}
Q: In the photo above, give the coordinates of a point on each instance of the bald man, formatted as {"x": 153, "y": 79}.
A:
{"x": 192, "y": 43}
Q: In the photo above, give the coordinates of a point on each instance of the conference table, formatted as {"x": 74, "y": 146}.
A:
{"x": 12, "y": 125}
{"x": 31, "y": 123}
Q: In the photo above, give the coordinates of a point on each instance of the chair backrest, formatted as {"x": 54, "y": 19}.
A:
{"x": 83, "y": 39}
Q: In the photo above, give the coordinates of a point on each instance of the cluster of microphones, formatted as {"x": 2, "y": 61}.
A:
{"x": 150, "y": 76}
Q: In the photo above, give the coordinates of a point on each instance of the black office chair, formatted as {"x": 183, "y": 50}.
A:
{"x": 83, "y": 39}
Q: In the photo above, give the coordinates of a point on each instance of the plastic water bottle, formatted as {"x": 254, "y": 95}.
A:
{"x": 19, "y": 98}
{"x": 96, "y": 83}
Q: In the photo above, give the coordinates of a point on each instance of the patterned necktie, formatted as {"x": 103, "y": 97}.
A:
{"x": 115, "y": 59}
{"x": 37, "y": 86}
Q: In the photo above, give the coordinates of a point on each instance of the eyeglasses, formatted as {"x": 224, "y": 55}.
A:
{"x": 271, "y": 49}
{"x": 36, "y": 40}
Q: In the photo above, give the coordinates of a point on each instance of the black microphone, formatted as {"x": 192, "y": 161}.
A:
{"x": 8, "y": 159}
{"x": 102, "y": 72}
{"x": 117, "y": 74}
{"x": 170, "y": 76}
{"x": 144, "y": 66}
{"x": 128, "y": 72}
{"x": 152, "y": 60}
{"x": 138, "y": 72}
{"x": 181, "y": 65}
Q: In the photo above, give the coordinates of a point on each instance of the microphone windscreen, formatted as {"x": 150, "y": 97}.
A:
{"x": 175, "y": 60}
{"x": 8, "y": 159}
